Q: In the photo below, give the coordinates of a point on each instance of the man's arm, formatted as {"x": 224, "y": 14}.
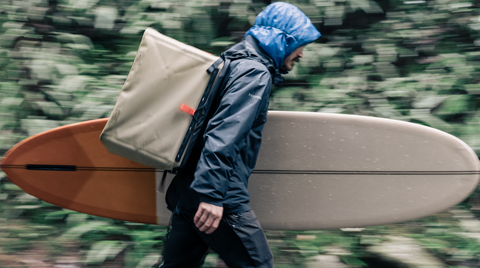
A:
{"x": 246, "y": 94}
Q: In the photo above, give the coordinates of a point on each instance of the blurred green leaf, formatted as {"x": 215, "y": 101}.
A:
{"x": 455, "y": 104}
{"x": 147, "y": 261}
{"x": 35, "y": 126}
{"x": 76, "y": 39}
{"x": 104, "y": 250}
{"x": 425, "y": 118}
{"x": 85, "y": 4}
{"x": 77, "y": 231}
{"x": 105, "y": 17}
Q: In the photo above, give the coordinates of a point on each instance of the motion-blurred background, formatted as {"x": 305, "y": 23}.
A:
{"x": 65, "y": 61}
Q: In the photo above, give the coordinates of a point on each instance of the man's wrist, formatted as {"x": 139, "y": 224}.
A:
{"x": 209, "y": 200}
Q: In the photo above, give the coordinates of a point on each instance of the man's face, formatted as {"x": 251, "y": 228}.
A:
{"x": 294, "y": 57}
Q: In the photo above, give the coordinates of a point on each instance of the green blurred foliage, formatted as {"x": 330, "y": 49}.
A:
{"x": 65, "y": 61}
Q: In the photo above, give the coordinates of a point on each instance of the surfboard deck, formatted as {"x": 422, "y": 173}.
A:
{"x": 314, "y": 171}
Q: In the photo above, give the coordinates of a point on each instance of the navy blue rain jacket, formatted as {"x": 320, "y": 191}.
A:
{"x": 228, "y": 152}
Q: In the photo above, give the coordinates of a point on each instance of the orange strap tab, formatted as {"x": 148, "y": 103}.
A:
{"x": 187, "y": 109}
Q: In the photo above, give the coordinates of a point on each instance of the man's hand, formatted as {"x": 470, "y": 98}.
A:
{"x": 208, "y": 217}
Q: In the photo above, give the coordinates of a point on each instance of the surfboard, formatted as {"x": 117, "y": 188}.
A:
{"x": 314, "y": 171}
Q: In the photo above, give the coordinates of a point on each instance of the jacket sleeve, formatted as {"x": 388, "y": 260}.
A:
{"x": 245, "y": 95}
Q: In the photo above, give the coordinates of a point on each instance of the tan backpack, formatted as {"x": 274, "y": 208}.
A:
{"x": 164, "y": 102}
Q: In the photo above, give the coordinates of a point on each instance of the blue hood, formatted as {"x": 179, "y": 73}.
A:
{"x": 280, "y": 29}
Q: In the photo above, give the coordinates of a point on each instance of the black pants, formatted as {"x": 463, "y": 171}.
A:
{"x": 238, "y": 240}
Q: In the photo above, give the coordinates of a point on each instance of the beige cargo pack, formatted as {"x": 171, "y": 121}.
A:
{"x": 152, "y": 120}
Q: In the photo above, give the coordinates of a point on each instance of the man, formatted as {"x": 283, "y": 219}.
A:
{"x": 210, "y": 199}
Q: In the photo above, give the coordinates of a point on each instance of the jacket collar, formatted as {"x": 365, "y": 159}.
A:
{"x": 249, "y": 48}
